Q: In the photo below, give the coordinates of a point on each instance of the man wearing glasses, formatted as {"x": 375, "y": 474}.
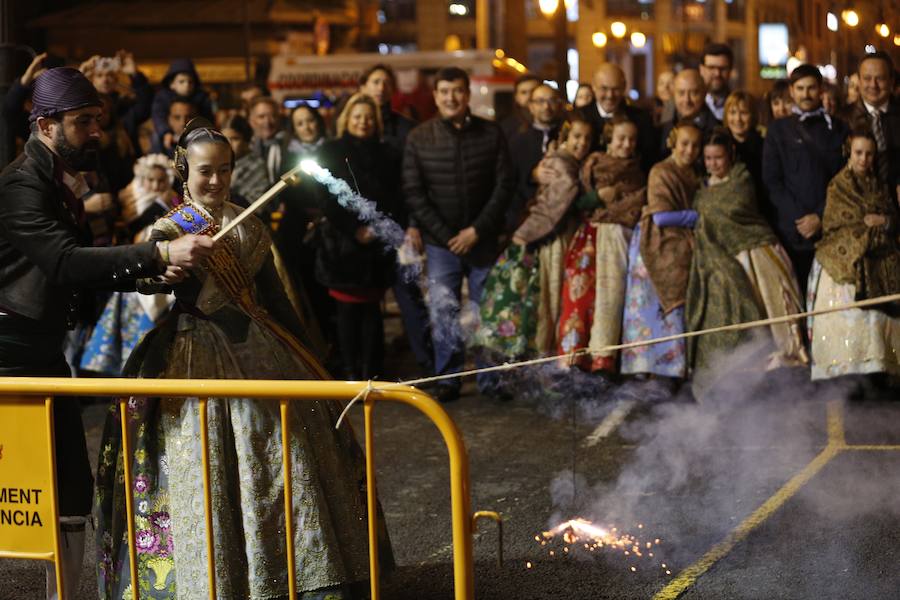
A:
{"x": 715, "y": 69}
{"x": 528, "y": 147}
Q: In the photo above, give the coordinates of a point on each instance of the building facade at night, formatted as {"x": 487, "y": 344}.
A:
{"x": 231, "y": 38}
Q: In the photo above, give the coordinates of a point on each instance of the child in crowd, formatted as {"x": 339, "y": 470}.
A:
{"x": 522, "y": 291}
{"x": 127, "y": 316}
{"x": 659, "y": 260}
{"x": 739, "y": 271}
{"x": 778, "y": 102}
{"x": 596, "y": 263}
{"x": 181, "y": 82}
{"x": 858, "y": 258}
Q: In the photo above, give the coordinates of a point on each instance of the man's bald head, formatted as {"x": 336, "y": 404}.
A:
{"x": 609, "y": 86}
{"x": 689, "y": 92}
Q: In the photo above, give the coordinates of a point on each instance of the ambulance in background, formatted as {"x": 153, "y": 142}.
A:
{"x": 294, "y": 79}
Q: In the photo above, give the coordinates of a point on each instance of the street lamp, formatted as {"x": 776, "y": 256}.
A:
{"x": 638, "y": 39}
{"x": 850, "y": 17}
{"x": 883, "y": 30}
{"x": 548, "y": 7}
{"x": 618, "y": 29}
{"x": 556, "y": 12}
{"x": 599, "y": 39}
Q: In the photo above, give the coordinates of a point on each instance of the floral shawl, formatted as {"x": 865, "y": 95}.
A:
{"x": 719, "y": 291}
{"x": 602, "y": 170}
{"x": 667, "y": 250}
{"x": 851, "y": 252}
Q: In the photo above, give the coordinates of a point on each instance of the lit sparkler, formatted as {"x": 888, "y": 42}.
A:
{"x": 582, "y": 533}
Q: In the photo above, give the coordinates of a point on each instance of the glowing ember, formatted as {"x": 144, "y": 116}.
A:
{"x": 578, "y": 533}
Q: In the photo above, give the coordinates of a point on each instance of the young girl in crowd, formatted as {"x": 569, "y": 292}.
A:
{"x": 248, "y": 180}
{"x": 127, "y": 316}
{"x": 522, "y": 292}
{"x": 739, "y": 271}
{"x": 858, "y": 258}
{"x": 779, "y": 103}
{"x": 659, "y": 260}
{"x": 597, "y": 261}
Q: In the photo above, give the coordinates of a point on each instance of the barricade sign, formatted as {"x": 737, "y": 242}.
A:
{"x": 27, "y": 502}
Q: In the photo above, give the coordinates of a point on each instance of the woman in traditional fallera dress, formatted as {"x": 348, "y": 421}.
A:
{"x": 739, "y": 271}
{"x": 596, "y": 263}
{"x": 522, "y": 299}
{"x": 858, "y": 258}
{"x": 659, "y": 261}
{"x": 231, "y": 320}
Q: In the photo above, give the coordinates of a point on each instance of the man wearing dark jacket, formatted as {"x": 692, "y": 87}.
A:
{"x": 46, "y": 262}
{"x": 528, "y": 146}
{"x": 689, "y": 92}
{"x": 457, "y": 181}
{"x": 876, "y": 111}
{"x": 519, "y": 118}
{"x": 800, "y": 156}
{"x": 609, "y": 90}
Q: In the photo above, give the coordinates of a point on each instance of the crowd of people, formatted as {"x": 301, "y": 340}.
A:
{"x": 575, "y": 227}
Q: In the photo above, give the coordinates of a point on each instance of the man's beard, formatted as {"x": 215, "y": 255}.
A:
{"x": 80, "y": 159}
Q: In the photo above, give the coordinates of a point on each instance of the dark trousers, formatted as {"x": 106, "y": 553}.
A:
{"x": 415, "y": 320}
{"x": 802, "y": 259}
{"x": 360, "y": 329}
{"x": 445, "y": 276}
{"x": 28, "y": 354}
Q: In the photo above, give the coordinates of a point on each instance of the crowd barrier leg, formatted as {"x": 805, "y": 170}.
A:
{"x": 288, "y": 500}
{"x": 207, "y": 497}
{"x": 371, "y": 500}
{"x": 129, "y": 496}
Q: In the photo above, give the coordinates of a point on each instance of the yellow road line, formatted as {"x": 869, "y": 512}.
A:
{"x": 836, "y": 435}
{"x": 885, "y": 447}
{"x": 836, "y": 443}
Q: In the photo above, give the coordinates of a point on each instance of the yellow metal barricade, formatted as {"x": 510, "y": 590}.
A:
{"x": 27, "y": 462}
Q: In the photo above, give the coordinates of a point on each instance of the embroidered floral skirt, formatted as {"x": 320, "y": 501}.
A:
{"x": 644, "y": 320}
{"x": 329, "y": 514}
{"x": 593, "y": 293}
{"x": 854, "y": 341}
{"x": 509, "y": 305}
{"x": 124, "y": 321}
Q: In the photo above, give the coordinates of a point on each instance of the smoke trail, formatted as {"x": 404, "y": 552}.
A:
{"x": 385, "y": 229}
{"x": 699, "y": 467}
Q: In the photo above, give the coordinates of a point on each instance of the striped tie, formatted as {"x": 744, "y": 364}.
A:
{"x": 881, "y": 142}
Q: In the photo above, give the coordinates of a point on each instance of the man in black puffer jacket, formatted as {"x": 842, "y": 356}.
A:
{"x": 458, "y": 182}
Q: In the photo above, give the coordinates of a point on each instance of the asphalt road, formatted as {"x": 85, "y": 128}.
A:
{"x": 767, "y": 488}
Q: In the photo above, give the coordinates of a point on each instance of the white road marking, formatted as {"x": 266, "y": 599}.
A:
{"x": 612, "y": 421}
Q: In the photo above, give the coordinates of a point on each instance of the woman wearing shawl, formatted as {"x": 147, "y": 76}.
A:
{"x": 231, "y": 320}
{"x": 858, "y": 258}
{"x": 522, "y": 291}
{"x": 659, "y": 260}
{"x": 739, "y": 271}
{"x": 129, "y": 315}
{"x": 597, "y": 261}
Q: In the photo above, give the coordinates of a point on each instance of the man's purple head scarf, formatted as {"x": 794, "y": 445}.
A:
{"x": 62, "y": 89}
